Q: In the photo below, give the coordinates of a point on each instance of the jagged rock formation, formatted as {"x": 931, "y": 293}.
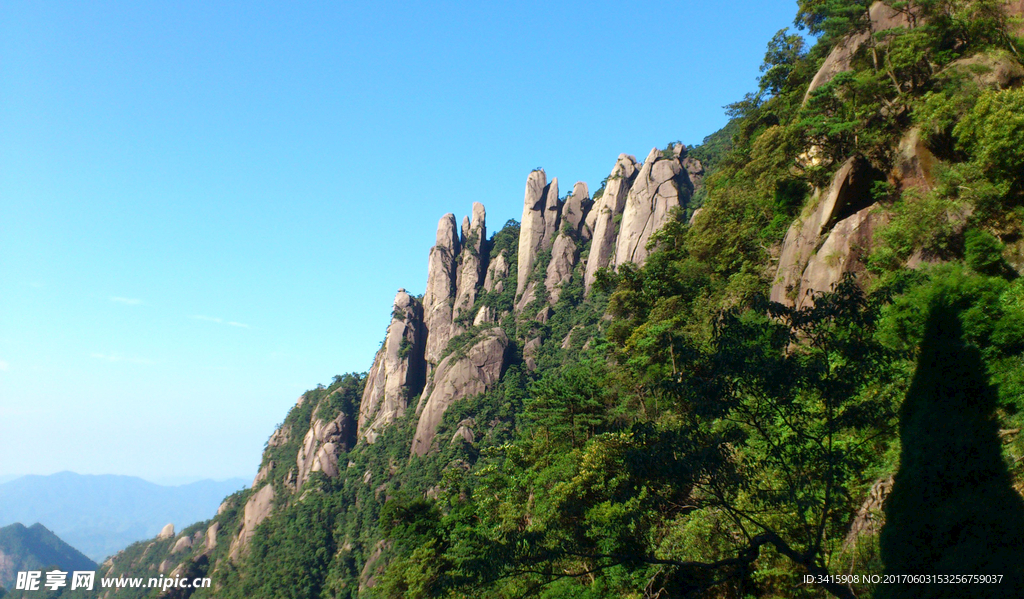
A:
{"x": 601, "y": 219}
{"x": 399, "y": 371}
{"x": 473, "y": 263}
{"x": 459, "y": 375}
{"x": 661, "y": 185}
{"x": 320, "y": 447}
{"x": 541, "y": 214}
{"x": 256, "y": 510}
{"x": 849, "y": 191}
{"x": 847, "y": 244}
{"x": 882, "y": 17}
{"x": 441, "y": 286}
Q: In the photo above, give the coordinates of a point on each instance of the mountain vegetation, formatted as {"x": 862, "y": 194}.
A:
{"x": 35, "y": 548}
{"x": 784, "y": 363}
{"x": 102, "y": 514}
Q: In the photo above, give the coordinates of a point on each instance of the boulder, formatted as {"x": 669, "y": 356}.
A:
{"x": 849, "y": 241}
{"x": 661, "y": 186}
{"x": 182, "y": 544}
{"x": 461, "y": 374}
{"x": 441, "y": 286}
{"x": 211, "y": 536}
{"x": 848, "y": 192}
{"x": 530, "y": 353}
{"x": 399, "y": 370}
{"x": 166, "y": 532}
{"x": 915, "y": 163}
{"x": 465, "y": 431}
{"x": 603, "y": 213}
{"x": 256, "y": 510}
{"x": 991, "y": 70}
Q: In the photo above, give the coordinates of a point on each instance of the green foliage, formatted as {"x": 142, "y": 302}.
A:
{"x": 952, "y": 509}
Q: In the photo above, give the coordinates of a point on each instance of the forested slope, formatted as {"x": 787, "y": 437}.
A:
{"x": 793, "y": 350}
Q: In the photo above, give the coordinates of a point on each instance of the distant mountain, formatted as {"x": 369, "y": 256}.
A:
{"x": 102, "y": 514}
{"x": 36, "y": 548}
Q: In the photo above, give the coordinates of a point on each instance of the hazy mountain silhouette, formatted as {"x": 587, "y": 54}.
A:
{"x": 101, "y": 514}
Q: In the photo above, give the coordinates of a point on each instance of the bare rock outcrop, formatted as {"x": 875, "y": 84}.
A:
{"x": 464, "y": 373}
{"x": 256, "y": 510}
{"x": 531, "y": 229}
{"x": 661, "y": 185}
{"x": 563, "y": 259}
{"x": 881, "y": 17}
{"x": 185, "y": 542}
{"x": 320, "y": 448}
{"x": 576, "y": 207}
{"x": 847, "y": 244}
{"x": 398, "y": 370}
{"x": 441, "y": 286}
{"x": 166, "y": 532}
{"x": 915, "y": 163}
{"x": 601, "y": 219}
{"x": 211, "y": 536}
{"x": 497, "y": 272}
{"x": 992, "y": 70}
{"x": 473, "y": 263}
{"x": 541, "y": 215}
{"x": 847, "y": 193}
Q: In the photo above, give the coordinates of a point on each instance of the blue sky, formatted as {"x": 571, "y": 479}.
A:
{"x": 206, "y": 208}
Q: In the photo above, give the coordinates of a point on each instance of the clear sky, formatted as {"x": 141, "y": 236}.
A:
{"x": 206, "y": 207}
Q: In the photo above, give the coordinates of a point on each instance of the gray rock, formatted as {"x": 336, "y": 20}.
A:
{"x": 915, "y": 163}
{"x": 263, "y": 473}
{"x": 256, "y": 510}
{"x": 472, "y": 271}
{"x": 441, "y": 286}
{"x": 530, "y": 353}
{"x": 563, "y": 259}
{"x": 531, "y": 231}
{"x": 991, "y": 70}
{"x": 460, "y": 375}
{"x": 603, "y": 213}
{"x": 847, "y": 244}
{"x": 577, "y": 205}
{"x": 182, "y": 544}
{"x": 882, "y": 17}
{"x": 847, "y": 188}
{"x": 166, "y": 532}
{"x": 661, "y": 186}
{"x": 211, "y": 536}
{"x": 497, "y": 271}
{"x": 398, "y": 372}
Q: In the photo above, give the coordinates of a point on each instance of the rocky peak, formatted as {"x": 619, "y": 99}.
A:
{"x": 472, "y": 272}
{"x": 398, "y": 370}
{"x": 661, "y": 185}
{"x": 532, "y": 227}
{"x": 577, "y": 205}
{"x": 601, "y": 219}
{"x": 441, "y": 286}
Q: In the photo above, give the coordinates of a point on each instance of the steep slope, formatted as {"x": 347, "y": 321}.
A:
{"x": 35, "y": 548}
{"x": 607, "y": 401}
{"x": 101, "y": 514}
